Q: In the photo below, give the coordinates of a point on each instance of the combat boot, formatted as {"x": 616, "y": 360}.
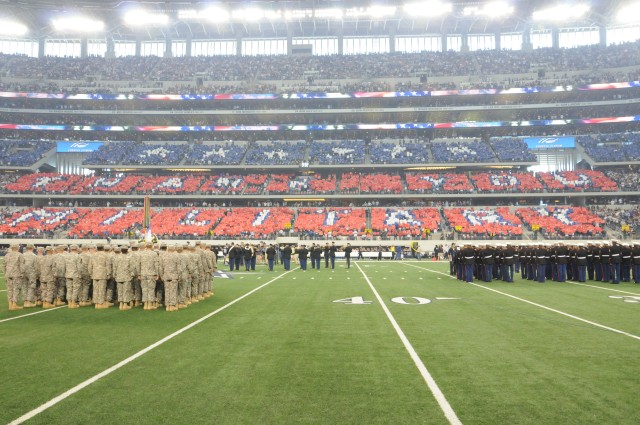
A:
{"x": 15, "y": 306}
{"x": 28, "y": 304}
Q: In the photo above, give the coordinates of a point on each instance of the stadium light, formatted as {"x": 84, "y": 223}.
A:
{"x": 373, "y": 12}
{"x": 563, "y": 12}
{"x": 13, "y": 28}
{"x": 298, "y": 14}
{"x": 495, "y": 9}
{"x": 77, "y": 24}
{"x": 629, "y": 13}
{"x": 428, "y": 9}
{"x": 137, "y": 18}
{"x": 250, "y": 14}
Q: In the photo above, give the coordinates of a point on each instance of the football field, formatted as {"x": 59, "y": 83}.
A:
{"x": 381, "y": 343}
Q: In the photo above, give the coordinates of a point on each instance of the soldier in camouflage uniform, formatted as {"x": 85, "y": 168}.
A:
{"x": 85, "y": 276}
{"x": 39, "y": 260}
{"x": 123, "y": 272}
{"x": 73, "y": 266}
{"x": 185, "y": 280}
{"x": 111, "y": 283}
{"x": 100, "y": 271}
{"x": 14, "y": 275}
{"x": 136, "y": 285}
{"x": 196, "y": 278}
{"x": 148, "y": 275}
{"x": 170, "y": 271}
{"x": 59, "y": 265}
{"x": 207, "y": 270}
{"x": 213, "y": 260}
{"x": 48, "y": 279}
{"x": 30, "y": 273}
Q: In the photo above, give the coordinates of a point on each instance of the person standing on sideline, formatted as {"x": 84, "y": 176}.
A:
{"x": 347, "y": 254}
{"x": 286, "y": 256}
{"x": 303, "y": 253}
{"x": 332, "y": 255}
{"x": 271, "y": 256}
{"x": 100, "y": 270}
{"x": 30, "y": 275}
{"x": 327, "y": 251}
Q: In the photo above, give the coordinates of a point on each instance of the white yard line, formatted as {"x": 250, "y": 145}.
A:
{"x": 431, "y": 383}
{"x": 3, "y": 290}
{"x": 32, "y": 314}
{"x": 129, "y": 359}
{"x": 602, "y": 287}
{"x": 630, "y": 335}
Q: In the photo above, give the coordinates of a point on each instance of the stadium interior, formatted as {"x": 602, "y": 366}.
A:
{"x": 283, "y": 121}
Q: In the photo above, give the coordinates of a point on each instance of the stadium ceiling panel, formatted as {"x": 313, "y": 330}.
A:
{"x": 298, "y": 18}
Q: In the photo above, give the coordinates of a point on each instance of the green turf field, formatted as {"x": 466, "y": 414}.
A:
{"x": 288, "y": 354}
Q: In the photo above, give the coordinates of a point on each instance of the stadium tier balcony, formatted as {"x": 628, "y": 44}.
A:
{"x": 399, "y": 152}
{"x": 578, "y": 181}
{"x": 276, "y": 153}
{"x": 217, "y": 154}
{"x": 23, "y": 153}
{"x": 563, "y": 222}
{"x": 511, "y": 149}
{"x": 350, "y": 183}
{"x": 255, "y": 183}
{"x": 108, "y": 222}
{"x": 51, "y": 183}
{"x": 484, "y": 223}
{"x": 38, "y": 222}
{"x": 403, "y": 223}
{"x": 461, "y": 151}
{"x": 438, "y": 183}
{"x": 106, "y": 185}
{"x": 506, "y": 183}
{"x": 170, "y": 184}
{"x": 321, "y": 223}
{"x": 279, "y": 184}
{"x": 330, "y": 152}
{"x": 185, "y": 222}
{"x": 627, "y": 180}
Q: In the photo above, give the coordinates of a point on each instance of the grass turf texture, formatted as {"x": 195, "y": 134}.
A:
{"x": 289, "y": 354}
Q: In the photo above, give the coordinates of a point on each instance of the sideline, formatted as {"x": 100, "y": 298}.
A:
{"x": 602, "y": 287}
{"x": 431, "y": 383}
{"x": 31, "y": 314}
{"x": 133, "y": 357}
{"x": 618, "y": 331}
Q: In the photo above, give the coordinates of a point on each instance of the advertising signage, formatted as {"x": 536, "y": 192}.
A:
{"x": 78, "y": 147}
{"x": 550, "y": 142}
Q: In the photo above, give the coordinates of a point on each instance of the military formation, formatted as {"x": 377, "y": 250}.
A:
{"x": 132, "y": 275}
{"x": 612, "y": 262}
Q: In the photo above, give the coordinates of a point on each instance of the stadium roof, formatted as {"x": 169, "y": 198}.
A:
{"x": 37, "y": 15}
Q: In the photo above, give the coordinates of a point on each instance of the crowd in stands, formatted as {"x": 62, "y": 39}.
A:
{"x": 337, "y": 152}
{"x": 511, "y": 150}
{"x": 399, "y": 152}
{"x": 619, "y": 147}
{"x": 235, "y": 68}
{"x": 216, "y": 154}
{"x": 563, "y": 222}
{"x": 317, "y": 223}
{"x": 345, "y": 183}
{"x": 22, "y": 153}
{"x": 461, "y": 151}
{"x": 276, "y": 153}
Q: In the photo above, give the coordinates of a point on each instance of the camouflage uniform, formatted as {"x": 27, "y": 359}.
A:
{"x": 30, "y": 273}
{"x": 100, "y": 271}
{"x": 14, "y": 275}
{"x": 212, "y": 260}
{"x": 184, "y": 279}
{"x": 111, "y": 282}
{"x": 123, "y": 272}
{"x": 73, "y": 265}
{"x": 148, "y": 275}
{"x": 85, "y": 277}
{"x": 196, "y": 278}
{"x": 170, "y": 271}
{"x": 59, "y": 265}
{"x": 136, "y": 284}
{"x": 39, "y": 260}
{"x": 47, "y": 278}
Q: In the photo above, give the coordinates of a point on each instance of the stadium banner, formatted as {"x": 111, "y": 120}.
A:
{"x": 78, "y": 147}
{"x": 320, "y": 95}
{"x": 551, "y": 142}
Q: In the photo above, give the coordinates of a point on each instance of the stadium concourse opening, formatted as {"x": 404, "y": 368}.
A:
{"x": 310, "y": 218}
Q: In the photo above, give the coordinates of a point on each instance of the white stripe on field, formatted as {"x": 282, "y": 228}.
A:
{"x": 129, "y": 359}
{"x": 431, "y": 383}
{"x": 630, "y": 335}
{"x": 3, "y": 290}
{"x": 31, "y": 314}
{"x": 601, "y": 287}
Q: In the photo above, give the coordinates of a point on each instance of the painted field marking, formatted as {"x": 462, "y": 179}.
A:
{"x": 133, "y": 357}
{"x": 630, "y": 335}
{"x": 31, "y": 314}
{"x": 3, "y": 290}
{"x": 600, "y": 287}
{"x": 431, "y": 383}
